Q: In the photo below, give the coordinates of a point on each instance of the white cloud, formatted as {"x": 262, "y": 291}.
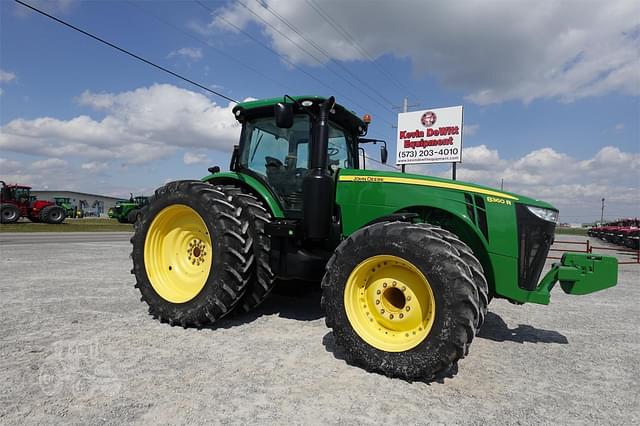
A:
{"x": 49, "y": 163}
{"x": 493, "y": 50}
{"x": 95, "y": 166}
{"x": 619, "y": 127}
{"x": 191, "y": 53}
{"x": 139, "y": 126}
{"x": 195, "y": 158}
{"x": 6, "y": 76}
{"x": 9, "y": 166}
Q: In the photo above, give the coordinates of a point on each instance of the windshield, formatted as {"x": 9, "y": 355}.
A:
{"x": 281, "y": 156}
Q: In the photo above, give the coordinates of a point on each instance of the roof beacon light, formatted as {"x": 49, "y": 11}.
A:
{"x": 366, "y": 118}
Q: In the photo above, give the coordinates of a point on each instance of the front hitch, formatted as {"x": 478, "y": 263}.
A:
{"x": 578, "y": 273}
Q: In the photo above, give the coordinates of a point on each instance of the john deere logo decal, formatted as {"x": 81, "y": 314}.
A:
{"x": 428, "y": 119}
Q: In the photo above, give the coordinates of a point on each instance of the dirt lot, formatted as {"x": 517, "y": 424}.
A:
{"x": 77, "y": 346}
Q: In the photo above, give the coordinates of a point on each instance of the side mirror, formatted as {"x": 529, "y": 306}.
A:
{"x": 384, "y": 154}
{"x": 284, "y": 115}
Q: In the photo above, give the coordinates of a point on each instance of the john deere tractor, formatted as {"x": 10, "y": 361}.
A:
{"x": 128, "y": 211}
{"x": 65, "y": 203}
{"x": 408, "y": 263}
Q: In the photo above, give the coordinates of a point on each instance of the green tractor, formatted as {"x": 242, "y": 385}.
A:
{"x": 65, "y": 203}
{"x": 407, "y": 263}
{"x": 128, "y": 211}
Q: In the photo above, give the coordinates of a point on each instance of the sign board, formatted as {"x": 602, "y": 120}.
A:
{"x": 430, "y": 136}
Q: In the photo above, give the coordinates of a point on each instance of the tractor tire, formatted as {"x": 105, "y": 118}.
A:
{"x": 134, "y": 216}
{"x": 254, "y": 212}
{"x": 121, "y": 219}
{"x": 401, "y": 300}
{"x": 9, "y": 213}
{"x": 191, "y": 254}
{"x": 466, "y": 254}
{"x": 53, "y": 215}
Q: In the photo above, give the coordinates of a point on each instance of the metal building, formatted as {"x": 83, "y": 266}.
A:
{"x": 91, "y": 204}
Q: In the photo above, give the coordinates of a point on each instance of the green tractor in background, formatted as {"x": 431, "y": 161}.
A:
{"x": 128, "y": 211}
{"x": 65, "y": 203}
{"x": 408, "y": 263}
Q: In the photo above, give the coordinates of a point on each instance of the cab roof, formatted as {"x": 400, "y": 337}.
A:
{"x": 262, "y": 107}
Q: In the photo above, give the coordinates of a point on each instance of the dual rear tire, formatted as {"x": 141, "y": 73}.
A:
{"x": 200, "y": 252}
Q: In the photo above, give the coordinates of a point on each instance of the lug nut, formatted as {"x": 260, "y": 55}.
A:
{"x": 408, "y": 298}
{"x": 401, "y": 316}
{"x": 378, "y": 292}
{"x": 384, "y": 285}
{"x": 391, "y": 316}
{"x": 408, "y": 308}
{"x": 404, "y": 288}
{"x": 394, "y": 284}
{"x": 382, "y": 311}
{"x": 377, "y": 302}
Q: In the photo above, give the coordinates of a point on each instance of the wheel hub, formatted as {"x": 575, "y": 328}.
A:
{"x": 177, "y": 255}
{"x": 389, "y": 303}
{"x": 196, "y": 252}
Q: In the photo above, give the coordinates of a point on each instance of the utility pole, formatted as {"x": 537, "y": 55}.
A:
{"x": 602, "y": 214}
{"x": 405, "y": 108}
{"x": 502, "y": 184}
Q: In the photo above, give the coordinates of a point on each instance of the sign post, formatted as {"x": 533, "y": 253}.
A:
{"x": 430, "y": 136}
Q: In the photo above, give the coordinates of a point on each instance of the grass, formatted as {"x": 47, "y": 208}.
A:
{"x": 571, "y": 231}
{"x": 69, "y": 225}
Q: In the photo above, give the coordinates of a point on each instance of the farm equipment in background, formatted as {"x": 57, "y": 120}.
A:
{"x": 623, "y": 232}
{"x": 65, "y": 203}
{"x": 408, "y": 263}
{"x": 16, "y": 201}
{"x": 128, "y": 211}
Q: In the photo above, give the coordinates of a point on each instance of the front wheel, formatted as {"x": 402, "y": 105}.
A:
{"x": 190, "y": 254}
{"x": 401, "y": 300}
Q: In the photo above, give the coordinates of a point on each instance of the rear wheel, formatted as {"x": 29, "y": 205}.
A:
{"x": 401, "y": 300}
{"x": 256, "y": 214}
{"x": 190, "y": 254}
{"x": 9, "y": 213}
{"x": 53, "y": 215}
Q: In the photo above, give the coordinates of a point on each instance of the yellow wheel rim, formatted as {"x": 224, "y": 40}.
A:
{"x": 178, "y": 253}
{"x": 389, "y": 303}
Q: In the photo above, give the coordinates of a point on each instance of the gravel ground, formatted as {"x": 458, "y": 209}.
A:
{"x": 77, "y": 346}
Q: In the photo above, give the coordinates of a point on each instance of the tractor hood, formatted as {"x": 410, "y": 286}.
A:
{"x": 375, "y": 176}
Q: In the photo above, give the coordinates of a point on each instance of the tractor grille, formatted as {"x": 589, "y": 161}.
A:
{"x": 535, "y": 237}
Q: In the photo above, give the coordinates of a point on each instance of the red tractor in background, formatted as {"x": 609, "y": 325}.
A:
{"x": 16, "y": 202}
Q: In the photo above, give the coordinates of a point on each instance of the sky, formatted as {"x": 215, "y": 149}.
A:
{"x": 550, "y": 90}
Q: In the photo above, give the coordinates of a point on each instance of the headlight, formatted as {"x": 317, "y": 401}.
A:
{"x": 544, "y": 214}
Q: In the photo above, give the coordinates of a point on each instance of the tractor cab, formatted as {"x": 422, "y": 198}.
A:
{"x": 282, "y": 149}
{"x": 309, "y": 138}
{"x": 18, "y": 194}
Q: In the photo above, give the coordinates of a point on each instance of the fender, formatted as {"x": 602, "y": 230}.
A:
{"x": 251, "y": 184}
